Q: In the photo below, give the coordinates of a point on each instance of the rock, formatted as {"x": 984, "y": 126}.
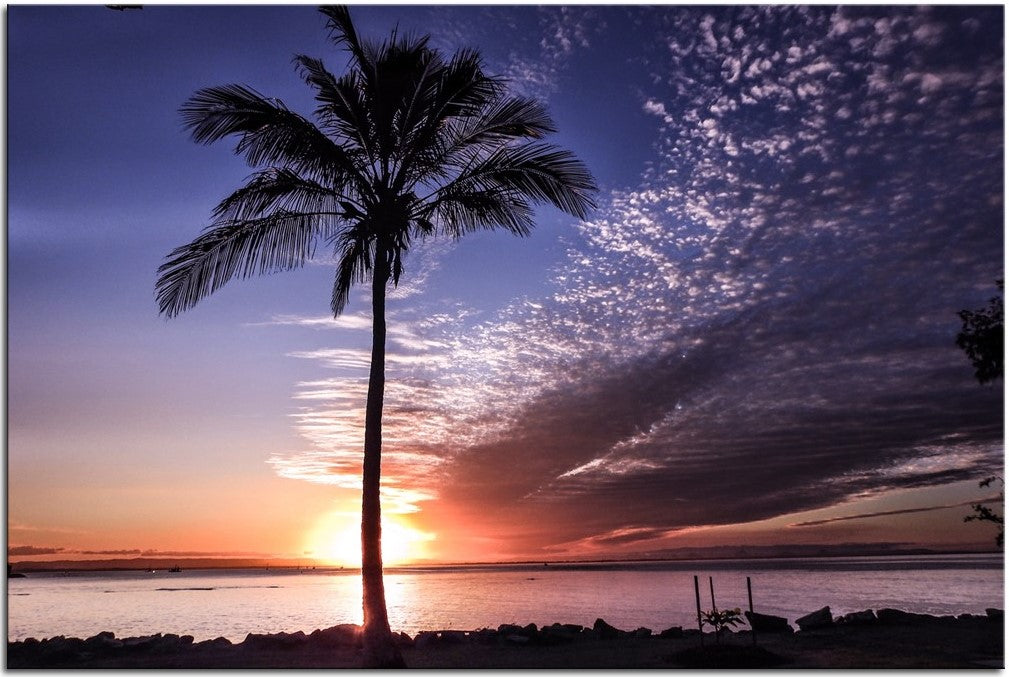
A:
{"x": 60, "y": 649}
{"x": 287, "y": 640}
{"x": 425, "y": 638}
{"x": 820, "y": 618}
{"x": 166, "y": 642}
{"x": 103, "y": 643}
{"x": 453, "y": 636}
{"x": 280, "y": 640}
{"x": 898, "y": 617}
{"x": 402, "y": 640}
{"x": 559, "y": 634}
{"x": 605, "y": 630}
{"x": 889, "y": 616}
{"x": 767, "y": 622}
{"x": 569, "y": 628}
{"x": 216, "y": 643}
{"x": 642, "y": 633}
{"x": 343, "y": 635}
{"x": 511, "y": 630}
{"x": 486, "y": 635}
{"x": 144, "y": 642}
{"x": 675, "y": 632}
{"x": 994, "y": 614}
{"x": 866, "y": 617}
{"x": 255, "y": 641}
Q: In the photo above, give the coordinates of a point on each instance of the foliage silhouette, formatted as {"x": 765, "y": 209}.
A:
{"x": 725, "y": 618}
{"x": 982, "y": 338}
{"x": 983, "y": 513}
{"x": 406, "y": 144}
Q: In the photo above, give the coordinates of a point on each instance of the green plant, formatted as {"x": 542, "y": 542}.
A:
{"x": 721, "y": 619}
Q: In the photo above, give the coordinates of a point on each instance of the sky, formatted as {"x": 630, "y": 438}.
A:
{"x": 749, "y": 343}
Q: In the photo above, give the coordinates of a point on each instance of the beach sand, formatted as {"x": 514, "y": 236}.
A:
{"x": 921, "y": 642}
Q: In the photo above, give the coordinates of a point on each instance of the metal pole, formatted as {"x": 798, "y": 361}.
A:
{"x": 749, "y": 595}
{"x": 697, "y": 597}
{"x": 714, "y": 608}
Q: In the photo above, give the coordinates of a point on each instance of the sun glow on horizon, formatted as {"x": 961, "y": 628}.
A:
{"x": 336, "y": 540}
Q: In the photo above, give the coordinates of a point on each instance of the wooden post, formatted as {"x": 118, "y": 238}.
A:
{"x": 711, "y": 584}
{"x": 749, "y": 595}
{"x": 697, "y": 597}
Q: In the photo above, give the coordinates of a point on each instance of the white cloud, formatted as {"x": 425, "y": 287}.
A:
{"x": 748, "y": 303}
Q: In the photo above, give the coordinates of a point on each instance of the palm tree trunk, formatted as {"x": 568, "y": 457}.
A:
{"x": 380, "y": 651}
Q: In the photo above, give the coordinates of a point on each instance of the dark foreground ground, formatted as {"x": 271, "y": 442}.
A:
{"x": 906, "y": 641}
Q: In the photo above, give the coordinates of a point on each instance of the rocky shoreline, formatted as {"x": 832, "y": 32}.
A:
{"x": 881, "y": 638}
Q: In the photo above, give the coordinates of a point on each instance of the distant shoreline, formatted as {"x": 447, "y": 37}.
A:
{"x": 142, "y": 563}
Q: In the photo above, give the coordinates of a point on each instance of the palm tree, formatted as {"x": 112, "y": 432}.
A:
{"x": 406, "y": 144}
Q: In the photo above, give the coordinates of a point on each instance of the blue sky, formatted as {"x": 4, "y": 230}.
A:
{"x": 753, "y": 331}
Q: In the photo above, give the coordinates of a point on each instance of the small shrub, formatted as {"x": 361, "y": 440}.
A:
{"x": 721, "y": 619}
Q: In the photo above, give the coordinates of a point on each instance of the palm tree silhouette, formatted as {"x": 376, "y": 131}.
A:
{"x": 406, "y": 144}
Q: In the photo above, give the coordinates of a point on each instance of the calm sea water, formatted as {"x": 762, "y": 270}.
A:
{"x": 657, "y": 595}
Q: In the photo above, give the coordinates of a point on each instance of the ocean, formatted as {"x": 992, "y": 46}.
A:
{"x": 211, "y": 603}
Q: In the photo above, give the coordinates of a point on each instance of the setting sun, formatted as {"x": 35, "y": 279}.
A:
{"x": 336, "y": 539}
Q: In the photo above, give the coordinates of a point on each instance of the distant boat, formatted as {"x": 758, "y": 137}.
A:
{"x": 175, "y": 570}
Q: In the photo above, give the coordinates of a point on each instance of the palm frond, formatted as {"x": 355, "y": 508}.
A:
{"x": 281, "y": 241}
{"x": 213, "y": 113}
{"x": 546, "y": 174}
{"x": 268, "y": 133}
{"x": 464, "y": 211}
{"x": 277, "y": 190}
{"x": 541, "y": 172}
{"x": 355, "y": 262}
{"x": 342, "y": 32}
{"x": 465, "y": 89}
{"x": 380, "y": 78}
{"x": 459, "y": 141}
{"x": 508, "y": 118}
{"x": 415, "y": 102}
{"x": 449, "y": 96}
{"x": 400, "y": 70}
{"x": 342, "y": 106}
